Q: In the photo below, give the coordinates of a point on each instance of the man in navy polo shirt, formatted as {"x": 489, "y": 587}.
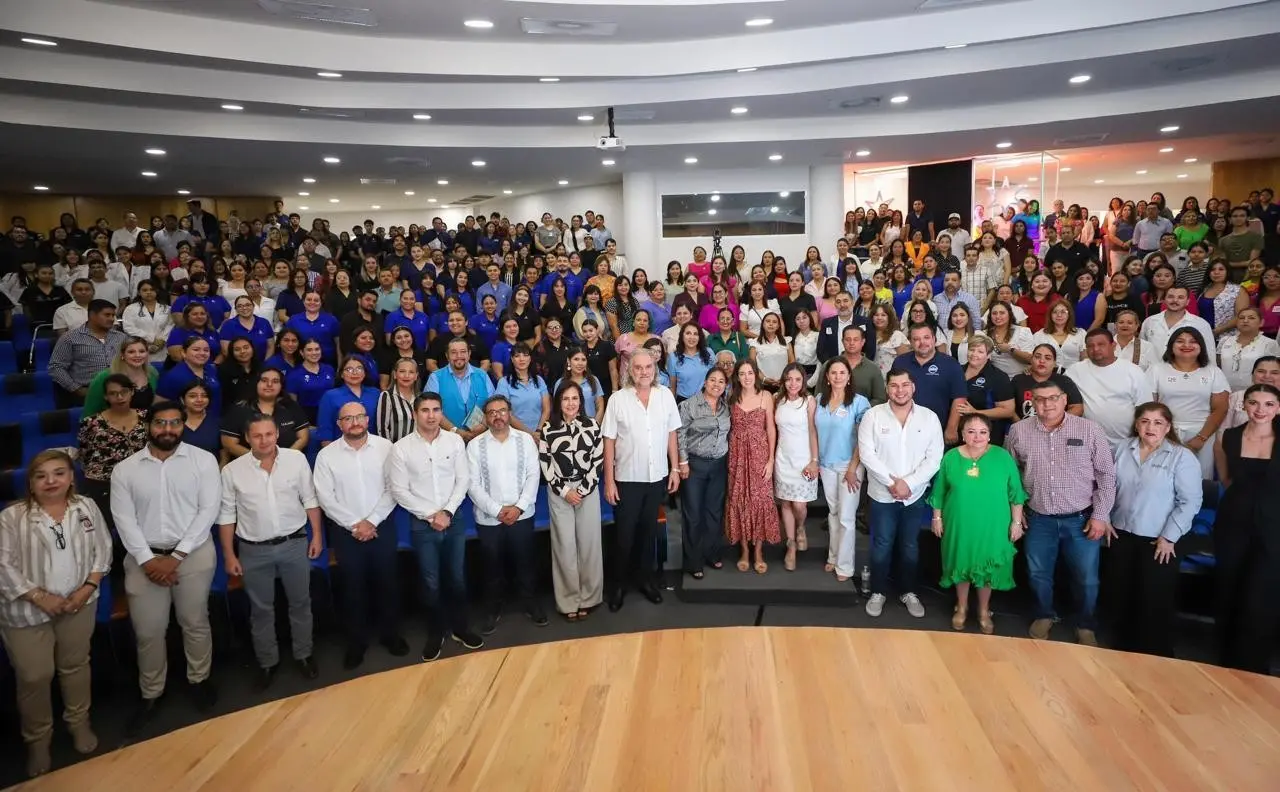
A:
{"x": 939, "y": 379}
{"x": 573, "y": 284}
{"x": 920, "y": 220}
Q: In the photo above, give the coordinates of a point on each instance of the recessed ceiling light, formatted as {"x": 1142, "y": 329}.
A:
{"x": 747, "y": 69}
{"x": 39, "y": 42}
{"x": 444, "y": 206}
{"x": 233, "y": 107}
{"x": 328, "y": 75}
{"x": 1182, "y": 175}
{"x": 563, "y": 182}
{"x": 408, "y": 192}
{"x": 1170, "y": 128}
{"x": 1166, "y": 149}
{"x": 955, "y": 46}
{"x": 304, "y": 208}
{"x": 376, "y": 206}
{"x": 1004, "y": 144}
{"x": 1080, "y": 79}
{"x": 149, "y": 174}
{"x": 308, "y": 180}
{"x": 1064, "y": 170}
{"x": 690, "y": 160}
{"x": 421, "y": 116}
{"x": 715, "y": 197}
{"x": 548, "y": 79}
{"x": 773, "y": 210}
{"x": 1189, "y": 160}
{"x": 608, "y": 163}
{"x": 1033, "y": 178}
{"x": 862, "y": 153}
{"x": 478, "y": 24}
{"x": 784, "y": 194}
{"x": 184, "y": 192}
{"x": 304, "y": 194}
{"x": 40, "y": 188}
{"x": 1141, "y": 173}
{"x": 775, "y": 157}
{"x": 711, "y": 211}
{"x": 442, "y": 182}
{"x": 900, "y": 99}
{"x": 738, "y": 110}
{"x": 477, "y": 163}
{"x": 429, "y": 200}
{"x": 1099, "y": 181}
{"x": 759, "y": 22}
{"x": 585, "y": 117}
{"x": 332, "y": 160}
{"x": 333, "y": 200}
{"x": 155, "y": 152}
{"x": 506, "y": 192}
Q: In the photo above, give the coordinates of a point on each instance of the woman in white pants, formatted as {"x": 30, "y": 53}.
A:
{"x": 836, "y": 420}
{"x": 571, "y": 452}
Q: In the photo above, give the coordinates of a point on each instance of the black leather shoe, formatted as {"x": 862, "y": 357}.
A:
{"x": 651, "y": 593}
{"x": 205, "y": 695}
{"x": 615, "y": 600}
{"x": 435, "y": 644}
{"x": 536, "y": 614}
{"x": 307, "y": 666}
{"x": 143, "y": 715}
{"x": 265, "y": 677}
{"x": 396, "y": 645}
{"x": 353, "y": 657}
{"x": 490, "y": 623}
{"x": 469, "y": 639}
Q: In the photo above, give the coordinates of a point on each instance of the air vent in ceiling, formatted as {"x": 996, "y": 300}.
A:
{"x": 320, "y": 12}
{"x": 377, "y": 181}
{"x": 416, "y": 162}
{"x": 1082, "y": 140}
{"x": 855, "y": 103}
{"x": 634, "y": 114}
{"x": 567, "y": 27}
{"x": 321, "y": 113}
{"x": 1182, "y": 65}
{"x": 473, "y": 199}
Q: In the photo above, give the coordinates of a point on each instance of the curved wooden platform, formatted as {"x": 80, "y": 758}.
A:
{"x": 740, "y": 709}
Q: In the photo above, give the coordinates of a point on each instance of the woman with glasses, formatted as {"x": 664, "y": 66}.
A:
{"x": 106, "y": 437}
{"x": 352, "y": 376}
{"x": 269, "y": 399}
{"x": 55, "y": 548}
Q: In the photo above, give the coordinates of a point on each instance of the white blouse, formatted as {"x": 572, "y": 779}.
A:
{"x": 1069, "y": 351}
{"x": 1020, "y": 339}
{"x": 1237, "y": 361}
{"x": 1187, "y": 394}
{"x": 754, "y": 316}
{"x": 771, "y": 359}
{"x": 887, "y": 352}
{"x": 806, "y": 348}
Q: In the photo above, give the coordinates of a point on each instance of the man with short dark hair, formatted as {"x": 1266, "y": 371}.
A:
{"x": 1043, "y": 368}
{"x": 1069, "y": 252}
{"x": 1110, "y": 387}
{"x": 469, "y": 236}
{"x": 364, "y": 315}
{"x": 951, "y": 296}
{"x": 168, "y": 238}
{"x": 75, "y": 313}
{"x": 868, "y": 380}
{"x": 1156, "y": 330}
{"x": 81, "y": 353}
{"x": 938, "y": 380}
{"x": 920, "y": 220}
{"x": 831, "y": 333}
{"x": 463, "y": 388}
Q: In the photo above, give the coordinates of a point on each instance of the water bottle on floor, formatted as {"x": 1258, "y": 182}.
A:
{"x": 866, "y": 580}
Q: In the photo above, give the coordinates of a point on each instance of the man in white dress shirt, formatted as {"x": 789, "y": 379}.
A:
{"x": 503, "y": 470}
{"x": 641, "y": 466}
{"x": 1157, "y": 329}
{"x": 127, "y": 234}
{"x": 427, "y": 474}
{"x": 1110, "y": 387}
{"x": 900, "y": 445}
{"x": 270, "y": 511}
{"x": 351, "y": 485}
{"x": 165, "y": 500}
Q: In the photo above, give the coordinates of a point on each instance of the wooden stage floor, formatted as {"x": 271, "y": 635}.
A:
{"x": 740, "y": 709}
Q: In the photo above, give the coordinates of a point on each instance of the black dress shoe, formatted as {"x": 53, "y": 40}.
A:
{"x": 469, "y": 639}
{"x": 307, "y": 666}
{"x": 205, "y": 695}
{"x": 396, "y": 645}
{"x": 264, "y": 679}
{"x": 143, "y": 715}
{"x": 490, "y": 623}
{"x": 615, "y": 600}
{"x": 435, "y": 644}
{"x": 353, "y": 657}
{"x": 536, "y": 614}
{"x": 651, "y": 593}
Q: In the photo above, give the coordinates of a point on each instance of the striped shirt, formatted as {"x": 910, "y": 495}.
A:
{"x": 395, "y": 415}
{"x": 27, "y": 545}
{"x": 703, "y": 432}
{"x": 79, "y": 355}
{"x": 1065, "y": 470}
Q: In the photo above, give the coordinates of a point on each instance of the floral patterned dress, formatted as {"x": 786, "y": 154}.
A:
{"x": 750, "y": 514}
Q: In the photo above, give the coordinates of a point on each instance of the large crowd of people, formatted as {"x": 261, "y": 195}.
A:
{"x": 1052, "y": 381}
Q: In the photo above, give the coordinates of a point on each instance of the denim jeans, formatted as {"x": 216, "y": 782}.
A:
{"x": 442, "y": 555}
{"x": 1047, "y": 536}
{"x": 896, "y": 526}
{"x": 702, "y": 510}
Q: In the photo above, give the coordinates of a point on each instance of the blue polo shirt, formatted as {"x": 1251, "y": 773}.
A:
{"x": 418, "y": 324}
{"x": 333, "y": 401}
{"x": 689, "y": 372}
{"x": 215, "y": 304}
{"x": 573, "y": 285}
{"x": 179, "y": 335}
{"x": 938, "y": 382}
{"x": 501, "y": 293}
{"x": 171, "y": 383}
{"x": 526, "y": 399}
{"x": 307, "y": 388}
{"x": 258, "y": 335}
{"x": 323, "y": 329}
{"x": 485, "y": 327}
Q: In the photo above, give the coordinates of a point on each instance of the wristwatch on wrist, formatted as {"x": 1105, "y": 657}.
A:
{"x": 178, "y": 554}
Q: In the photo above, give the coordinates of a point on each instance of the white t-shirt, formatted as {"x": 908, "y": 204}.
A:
{"x": 1019, "y": 339}
{"x": 1070, "y": 351}
{"x": 771, "y": 359}
{"x": 1145, "y": 355}
{"x": 70, "y": 316}
{"x": 1110, "y": 393}
{"x": 111, "y": 290}
{"x": 1156, "y": 331}
{"x": 1187, "y": 394}
{"x": 754, "y": 316}
{"x": 1237, "y": 361}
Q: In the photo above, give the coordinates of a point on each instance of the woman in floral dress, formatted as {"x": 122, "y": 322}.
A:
{"x": 751, "y": 519}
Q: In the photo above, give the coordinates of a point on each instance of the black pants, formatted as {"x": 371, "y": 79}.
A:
{"x": 500, "y": 544}
{"x": 1248, "y": 585}
{"x": 1141, "y": 595}
{"x": 702, "y": 511}
{"x": 635, "y": 521}
{"x": 64, "y": 399}
{"x": 368, "y": 572}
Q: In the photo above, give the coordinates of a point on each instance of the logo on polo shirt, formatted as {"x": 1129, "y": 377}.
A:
{"x": 933, "y": 369}
{"x": 980, "y": 381}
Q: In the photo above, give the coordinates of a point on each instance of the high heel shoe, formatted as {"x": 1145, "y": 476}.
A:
{"x": 802, "y": 539}
{"x": 958, "y": 618}
{"x": 789, "y": 561}
{"x": 985, "y": 623}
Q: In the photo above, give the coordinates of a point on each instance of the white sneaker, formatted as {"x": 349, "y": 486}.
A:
{"x": 913, "y": 605}
{"x": 875, "y": 605}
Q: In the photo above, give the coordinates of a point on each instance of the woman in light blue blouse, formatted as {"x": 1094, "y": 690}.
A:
{"x": 836, "y": 419}
{"x": 689, "y": 363}
{"x": 1158, "y": 492}
{"x": 527, "y": 392}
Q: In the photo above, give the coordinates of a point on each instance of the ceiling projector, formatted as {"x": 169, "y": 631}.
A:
{"x": 610, "y": 143}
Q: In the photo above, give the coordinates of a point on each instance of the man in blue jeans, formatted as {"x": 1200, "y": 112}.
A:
{"x": 1070, "y": 477}
{"x": 427, "y": 474}
{"x": 900, "y": 445}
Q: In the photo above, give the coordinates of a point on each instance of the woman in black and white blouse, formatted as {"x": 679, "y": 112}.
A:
{"x": 395, "y": 404}
{"x": 572, "y": 452}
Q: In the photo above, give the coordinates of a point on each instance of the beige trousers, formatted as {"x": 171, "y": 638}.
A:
{"x": 62, "y": 646}
{"x": 149, "y": 605}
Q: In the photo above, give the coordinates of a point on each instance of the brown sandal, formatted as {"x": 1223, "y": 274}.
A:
{"x": 958, "y": 618}
{"x": 789, "y": 562}
{"x": 761, "y": 567}
{"x": 802, "y": 539}
{"x": 985, "y": 623}
{"x": 744, "y": 565}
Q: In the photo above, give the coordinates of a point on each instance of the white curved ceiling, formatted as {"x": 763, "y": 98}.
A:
{"x": 127, "y": 72}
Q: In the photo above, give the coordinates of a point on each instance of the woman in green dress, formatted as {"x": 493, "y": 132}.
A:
{"x": 977, "y": 502}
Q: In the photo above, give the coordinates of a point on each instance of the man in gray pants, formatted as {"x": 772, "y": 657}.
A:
{"x": 268, "y": 504}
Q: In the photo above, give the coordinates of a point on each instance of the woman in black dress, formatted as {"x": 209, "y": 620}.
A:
{"x": 1246, "y": 535}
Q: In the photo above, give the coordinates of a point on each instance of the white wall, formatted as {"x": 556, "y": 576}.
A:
{"x": 1096, "y": 196}
{"x": 605, "y": 199}
{"x": 343, "y": 221}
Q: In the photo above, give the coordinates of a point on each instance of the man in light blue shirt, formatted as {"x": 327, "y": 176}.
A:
{"x": 1148, "y": 230}
{"x": 463, "y": 388}
{"x": 950, "y": 297}
{"x": 500, "y": 291}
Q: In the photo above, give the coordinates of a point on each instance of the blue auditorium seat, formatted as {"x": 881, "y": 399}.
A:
{"x": 8, "y": 358}
{"x": 21, "y": 393}
{"x": 43, "y": 351}
{"x": 13, "y": 485}
{"x": 21, "y": 331}
{"x": 48, "y": 429}
{"x": 542, "y": 510}
{"x": 106, "y": 601}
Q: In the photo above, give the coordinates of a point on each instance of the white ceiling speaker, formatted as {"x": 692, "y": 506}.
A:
{"x": 567, "y": 27}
